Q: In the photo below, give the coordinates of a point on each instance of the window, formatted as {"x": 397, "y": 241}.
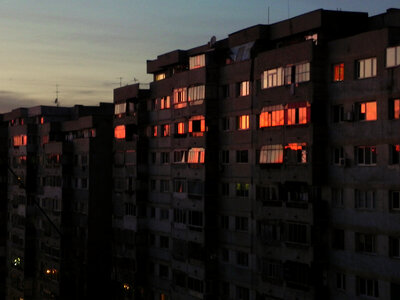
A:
{"x": 164, "y": 242}
{"x": 394, "y": 109}
{"x": 297, "y": 233}
{"x": 129, "y": 209}
{"x": 224, "y": 222}
{"x": 197, "y": 61}
{"x": 197, "y": 125}
{"x": 244, "y": 88}
{"x": 242, "y": 293}
{"x": 242, "y": 156}
{"x": 338, "y": 72}
{"x": 165, "y": 130}
{"x": 163, "y": 271}
{"x": 364, "y": 199}
{"x": 159, "y": 76}
{"x": 195, "y": 189}
{"x": 242, "y": 258}
{"x": 367, "y": 287}
{"x": 302, "y": 72}
{"x": 195, "y": 284}
{"x": 164, "y": 186}
{"x": 225, "y": 255}
{"x": 394, "y": 200}
{"x": 225, "y": 123}
{"x": 366, "y": 155}
{"x": 266, "y": 193}
{"x": 394, "y": 247}
{"x": 242, "y": 189}
{"x": 296, "y": 153}
{"x": 20, "y": 140}
{"x": 271, "y": 270}
{"x": 196, "y": 94}
{"x": 165, "y": 102}
{"x": 120, "y": 108}
{"x": 365, "y": 242}
{"x": 337, "y": 197}
{"x": 179, "y": 186}
{"x": 338, "y": 113}
{"x": 225, "y": 189}
{"x": 154, "y": 104}
{"x": 243, "y": 122}
{"x": 179, "y": 216}
{"x": 297, "y": 274}
{"x": 271, "y": 154}
{"x": 153, "y": 157}
{"x": 366, "y": 111}
{"x": 338, "y": 156}
{"x": 392, "y": 56}
{"x": 225, "y": 156}
{"x": 154, "y": 130}
{"x": 298, "y": 114}
{"x": 272, "y": 116}
{"x": 195, "y": 218}
{"x": 269, "y": 231}
{"x": 338, "y": 239}
{"x": 225, "y": 91}
{"x": 272, "y": 78}
{"x": 241, "y": 223}
{"x": 179, "y": 129}
{"x": 366, "y": 68}
{"x": 179, "y": 98}
{"x": 196, "y": 156}
{"x": 180, "y": 156}
{"x": 165, "y": 157}
{"x": 341, "y": 281}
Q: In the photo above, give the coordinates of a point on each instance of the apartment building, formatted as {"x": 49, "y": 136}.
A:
{"x": 59, "y": 202}
{"x": 266, "y": 165}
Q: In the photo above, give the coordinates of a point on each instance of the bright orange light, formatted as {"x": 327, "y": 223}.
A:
{"x": 119, "y": 132}
{"x": 127, "y": 287}
{"x": 338, "y": 72}
{"x": 371, "y": 111}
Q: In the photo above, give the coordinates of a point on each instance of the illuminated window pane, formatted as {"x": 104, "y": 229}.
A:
{"x": 338, "y": 72}
{"x": 366, "y": 68}
{"x": 197, "y": 61}
{"x": 393, "y": 56}
{"x": 367, "y": 111}
{"x": 271, "y": 154}
{"x": 159, "y": 76}
{"x": 243, "y": 122}
{"x": 396, "y": 109}
{"x": 20, "y": 140}
{"x": 272, "y": 78}
{"x": 196, "y": 155}
{"x": 196, "y": 94}
{"x": 244, "y": 88}
{"x": 180, "y": 97}
{"x": 165, "y": 102}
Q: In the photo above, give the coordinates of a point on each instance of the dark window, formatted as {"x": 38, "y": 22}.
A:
{"x": 365, "y": 242}
{"x": 242, "y": 258}
{"x": 241, "y": 223}
{"x": 338, "y": 113}
{"x": 338, "y": 239}
{"x": 224, "y": 222}
{"x": 225, "y": 189}
{"x": 394, "y": 249}
{"x": 242, "y": 156}
{"x": 242, "y": 189}
{"x": 394, "y": 152}
{"x": 297, "y": 233}
{"x": 225, "y": 156}
{"x": 367, "y": 287}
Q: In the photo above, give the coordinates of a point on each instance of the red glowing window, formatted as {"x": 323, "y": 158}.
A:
{"x": 272, "y": 116}
{"x": 165, "y": 130}
{"x": 154, "y": 131}
{"x": 20, "y": 140}
{"x": 119, "y": 132}
{"x": 197, "y": 125}
{"x": 180, "y": 97}
{"x": 298, "y": 113}
{"x": 165, "y": 102}
{"x": 367, "y": 111}
{"x": 396, "y": 109}
{"x": 41, "y": 120}
{"x": 338, "y": 72}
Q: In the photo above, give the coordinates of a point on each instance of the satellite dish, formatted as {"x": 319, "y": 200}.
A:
{"x": 212, "y": 41}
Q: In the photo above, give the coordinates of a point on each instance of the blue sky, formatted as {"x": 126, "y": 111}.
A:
{"x": 84, "y": 46}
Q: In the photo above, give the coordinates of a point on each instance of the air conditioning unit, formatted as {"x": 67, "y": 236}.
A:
{"x": 349, "y": 116}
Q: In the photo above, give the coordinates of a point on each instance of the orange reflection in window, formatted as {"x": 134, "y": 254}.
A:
{"x": 371, "y": 111}
{"x": 119, "y": 132}
{"x": 272, "y": 118}
{"x": 396, "y": 108}
{"x": 397, "y": 148}
{"x": 165, "y": 130}
{"x": 154, "y": 130}
{"x": 20, "y": 140}
{"x": 181, "y": 128}
{"x": 338, "y": 72}
{"x": 243, "y": 122}
{"x": 197, "y": 125}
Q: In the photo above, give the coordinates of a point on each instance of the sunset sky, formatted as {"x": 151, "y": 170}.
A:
{"x": 85, "y": 46}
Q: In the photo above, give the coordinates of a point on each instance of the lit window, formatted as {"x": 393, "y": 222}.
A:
{"x": 244, "y": 88}
{"x": 242, "y": 189}
{"x": 196, "y": 94}
{"x": 298, "y": 113}
{"x": 366, "y": 155}
{"x": 154, "y": 130}
{"x": 20, "y": 140}
{"x": 272, "y": 78}
{"x": 271, "y": 154}
{"x": 197, "y": 125}
{"x": 394, "y": 109}
{"x": 302, "y": 72}
{"x": 165, "y": 130}
{"x": 196, "y": 155}
{"x": 197, "y": 61}
{"x": 364, "y": 199}
{"x": 165, "y": 102}
{"x": 119, "y": 132}
{"x": 120, "y": 108}
{"x": 180, "y": 97}
{"x": 366, "y": 111}
{"x": 393, "y": 56}
{"x": 159, "y": 76}
{"x": 179, "y": 128}
{"x": 296, "y": 153}
{"x": 338, "y": 72}
{"x": 42, "y": 120}
{"x": 243, "y": 122}
{"x": 367, "y": 287}
{"x": 272, "y": 116}
{"x": 366, "y": 68}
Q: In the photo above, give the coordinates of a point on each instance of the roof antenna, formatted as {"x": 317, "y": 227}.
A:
{"x": 120, "y": 81}
{"x": 56, "y": 100}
